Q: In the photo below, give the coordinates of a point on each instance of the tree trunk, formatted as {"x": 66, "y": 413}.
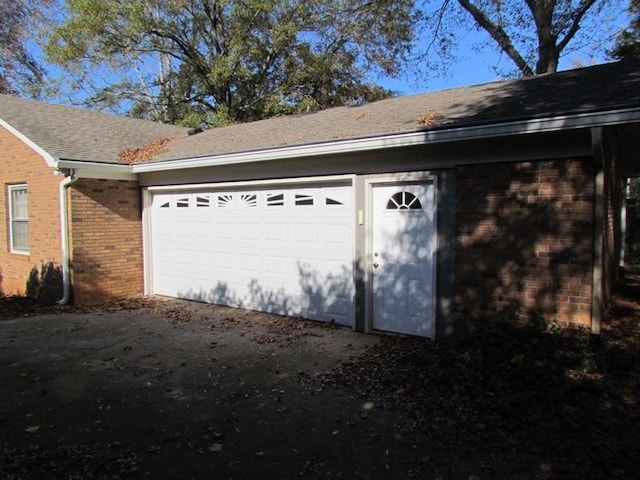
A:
{"x": 548, "y": 59}
{"x": 548, "y": 52}
{"x": 499, "y": 35}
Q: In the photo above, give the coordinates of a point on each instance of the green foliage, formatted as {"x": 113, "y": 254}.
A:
{"x": 554, "y": 328}
{"x": 221, "y": 61}
{"x": 20, "y": 71}
{"x": 628, "y": 44}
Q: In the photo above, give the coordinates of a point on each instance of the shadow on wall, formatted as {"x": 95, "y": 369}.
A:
{"x": 45, "y": 285}
{"x": 93, "y": 284}
{"x": 402, "y": 294}
{"x": 525, "y": 242}
{"x": 324, "y": 297}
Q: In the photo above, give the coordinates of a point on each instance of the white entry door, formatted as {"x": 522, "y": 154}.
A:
{"x": 403, "y": 243}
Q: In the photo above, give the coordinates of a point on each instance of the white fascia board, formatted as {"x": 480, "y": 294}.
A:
{"x": 106, "y": 171}
{"x": 521, "y": 127}
{"x": 304, "y": 181}
{"x": 50, "y": 159}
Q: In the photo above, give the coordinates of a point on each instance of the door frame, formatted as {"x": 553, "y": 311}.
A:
{"x": 366, "y": 255}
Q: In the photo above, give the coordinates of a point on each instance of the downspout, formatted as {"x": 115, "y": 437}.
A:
{"x": 598, "y": 230}
{"x": 70, "y": 178}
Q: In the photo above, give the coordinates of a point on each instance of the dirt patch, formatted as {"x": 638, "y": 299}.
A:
{"x": 157, "y": 388}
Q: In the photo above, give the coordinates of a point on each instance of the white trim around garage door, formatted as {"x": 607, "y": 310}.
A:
{"x": 282, "y": 246}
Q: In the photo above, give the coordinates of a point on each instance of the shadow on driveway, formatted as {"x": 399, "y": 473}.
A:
{"x": 173, "y": 389}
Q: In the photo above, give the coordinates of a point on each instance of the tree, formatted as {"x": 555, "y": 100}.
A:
{"x": 223, "y": 61}
{"x": 628, "y": 42}
{"x": 19, "y": 70}
{"x": 533, "y": 34}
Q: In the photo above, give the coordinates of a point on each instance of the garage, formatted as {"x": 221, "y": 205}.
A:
{"x": 286, "y": 249}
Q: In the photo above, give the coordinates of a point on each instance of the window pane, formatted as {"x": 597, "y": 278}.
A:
{"x": 20, "y": 235}
{"x": 275, "y": 199}
{"x": 19, "y": 218}
{"x": 19, "y": 208}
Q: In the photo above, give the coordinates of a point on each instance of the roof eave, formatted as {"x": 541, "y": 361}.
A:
{"x": 398, "y": 140}
{"x": 81, "y": 168}
{"x": 105, "y": 171}
{"x": 50, "y": 159}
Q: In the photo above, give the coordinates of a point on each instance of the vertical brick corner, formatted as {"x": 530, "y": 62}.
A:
{"x": 106, "y": 238}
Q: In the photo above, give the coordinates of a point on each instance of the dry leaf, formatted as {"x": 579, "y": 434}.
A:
{"x": 428, "y": 119}
{"x": 145, "y": 152}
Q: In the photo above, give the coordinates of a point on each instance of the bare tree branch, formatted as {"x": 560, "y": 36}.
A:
{"x": 499, "y": 35}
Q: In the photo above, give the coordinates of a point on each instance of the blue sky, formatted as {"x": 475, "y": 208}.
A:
{"x": 478, "y": 57}
{"x": 477, "y": 65}
{"x": 472, "y": 69}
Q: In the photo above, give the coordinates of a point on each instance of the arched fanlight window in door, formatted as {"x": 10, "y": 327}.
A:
{"x": 404, "y": 201}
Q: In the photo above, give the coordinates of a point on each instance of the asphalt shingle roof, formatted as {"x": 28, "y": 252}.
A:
{"x": 592, "y": 89}
{"x": 74, "y": 134}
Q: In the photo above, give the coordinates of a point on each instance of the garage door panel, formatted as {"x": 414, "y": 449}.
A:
{"x": 225, "y": 231}
{"x": 280, "y": 250}
{"x": 226, "y": 260}
{"x": 249, "y": 263}
{"x": 248, "y": 231}
{"x": 275, "y": 265}
{"x": 335, "y": 233}
{"x": 276, "y": 232}
{"x": 305, "y": 232}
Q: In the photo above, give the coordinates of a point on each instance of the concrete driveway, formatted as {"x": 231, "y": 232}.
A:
{"x": 159, "y": 388}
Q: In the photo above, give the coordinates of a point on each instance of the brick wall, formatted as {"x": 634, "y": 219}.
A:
{"x": 20, "y": 164}
{"x": 525, "y": 241}
{"x": 106, "y": 240}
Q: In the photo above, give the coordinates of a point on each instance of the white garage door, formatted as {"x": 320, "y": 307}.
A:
{"x": 280, "y": 250}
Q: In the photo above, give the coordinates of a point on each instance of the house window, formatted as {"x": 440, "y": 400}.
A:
{"x": 224, "y": 200}
{"x": 275, "y": 199}
{"x": 304, "y": 199}
{"x": 249, "y": 199}
{"x": 19, "y": 218}
{"x": 203, "y": 201}
{"x": 404, "y": 201}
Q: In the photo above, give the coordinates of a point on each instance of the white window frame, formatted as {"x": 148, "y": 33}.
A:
{"x": 13, "y": 219}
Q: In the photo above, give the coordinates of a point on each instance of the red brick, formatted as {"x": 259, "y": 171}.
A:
{"x": 525, "y": 231}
